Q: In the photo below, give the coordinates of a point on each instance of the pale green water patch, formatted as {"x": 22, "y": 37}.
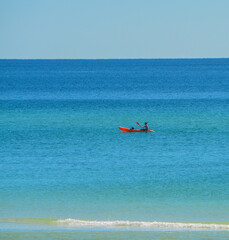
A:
{"x": 114, "y": 235}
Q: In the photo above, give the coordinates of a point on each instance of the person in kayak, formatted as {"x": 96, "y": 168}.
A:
{"x": 146, "y": 127}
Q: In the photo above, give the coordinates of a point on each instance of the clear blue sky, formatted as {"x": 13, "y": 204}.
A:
{"x": 114, "y": 28}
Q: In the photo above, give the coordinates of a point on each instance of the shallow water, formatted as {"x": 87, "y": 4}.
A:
{"x": 70, "y": 235}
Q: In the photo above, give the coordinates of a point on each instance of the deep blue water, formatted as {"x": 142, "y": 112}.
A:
{"x": 114, "y": 79}
{"x": 63, "y": 156}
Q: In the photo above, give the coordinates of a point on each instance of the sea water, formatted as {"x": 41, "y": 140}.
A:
{"x": 67, "y": 171}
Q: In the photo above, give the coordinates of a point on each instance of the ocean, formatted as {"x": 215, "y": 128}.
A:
{"x": 68, "y": 172}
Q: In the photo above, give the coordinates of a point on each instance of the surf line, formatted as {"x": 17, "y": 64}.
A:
{"x": 142, "y": 224}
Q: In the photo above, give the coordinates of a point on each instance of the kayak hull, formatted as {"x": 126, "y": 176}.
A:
{"x": 133, "y": 130}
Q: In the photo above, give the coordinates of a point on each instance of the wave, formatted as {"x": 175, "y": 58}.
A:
{"x": 154, "y": 225}
{"x": 142, "y": 224}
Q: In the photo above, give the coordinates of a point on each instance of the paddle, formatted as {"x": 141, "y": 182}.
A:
{"x": 138, "y": 124}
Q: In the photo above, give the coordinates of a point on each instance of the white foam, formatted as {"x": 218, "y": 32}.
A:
{"x": 141, "y": 224}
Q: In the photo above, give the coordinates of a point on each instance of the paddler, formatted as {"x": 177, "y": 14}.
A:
{"x": 146, "y": 127}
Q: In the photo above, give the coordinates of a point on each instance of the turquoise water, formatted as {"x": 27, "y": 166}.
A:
{"x": 63, "y": 158}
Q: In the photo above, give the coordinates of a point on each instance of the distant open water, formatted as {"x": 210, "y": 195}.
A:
{"x": 65, "y": 166}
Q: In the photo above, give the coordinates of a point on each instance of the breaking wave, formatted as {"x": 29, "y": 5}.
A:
{"x": 142, "y": 224}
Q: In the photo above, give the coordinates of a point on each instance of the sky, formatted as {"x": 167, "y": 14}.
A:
{"x": 101, "y": 29}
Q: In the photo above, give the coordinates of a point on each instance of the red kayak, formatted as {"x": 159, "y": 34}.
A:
{"x": 133, "y": 130}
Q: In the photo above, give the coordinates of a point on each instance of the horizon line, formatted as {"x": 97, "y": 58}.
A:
{"x": 179, "y": 58}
